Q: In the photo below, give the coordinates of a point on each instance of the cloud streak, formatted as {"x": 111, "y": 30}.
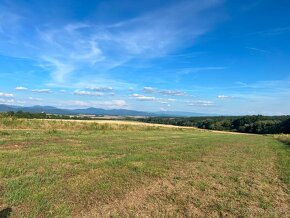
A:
{"x": 41, "y": 90}
{"x": 6, "y": 95}
{"x": 21, "y": 88}
{"x": 74, "y": 48}
{"x": 143, "y": 97}
{"x": 164, "y": 92}
{"x": 87, "y": 93}
{"x": 200, "y": 103}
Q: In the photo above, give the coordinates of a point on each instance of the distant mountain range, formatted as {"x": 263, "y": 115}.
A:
{"x": 97, "y": 111}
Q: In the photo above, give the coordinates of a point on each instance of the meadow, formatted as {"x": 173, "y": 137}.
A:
{"x": 52, "y": 168}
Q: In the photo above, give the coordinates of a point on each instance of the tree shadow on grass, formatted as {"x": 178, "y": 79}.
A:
{"x": 5, "y": 213}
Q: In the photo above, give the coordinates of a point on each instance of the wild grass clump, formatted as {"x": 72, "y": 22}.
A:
{"x": 53, "y": 125}
{"x": 3, "y": 133}
{"x": 285, "y": 138}
{"x": 52, "y": 131}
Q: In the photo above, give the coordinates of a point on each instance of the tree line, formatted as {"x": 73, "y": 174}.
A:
{"x": 247, "y": 124}
{"x": 28, "y": 115}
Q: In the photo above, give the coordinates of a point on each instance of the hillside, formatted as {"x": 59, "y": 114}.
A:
{"x": 100, "y": 169}
{"x": 94, "y": 111}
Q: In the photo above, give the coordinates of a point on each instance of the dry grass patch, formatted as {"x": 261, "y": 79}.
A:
{"x": 79, "y": 169}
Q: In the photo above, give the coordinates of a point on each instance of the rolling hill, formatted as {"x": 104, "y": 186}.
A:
{"x": 96, "y": 111}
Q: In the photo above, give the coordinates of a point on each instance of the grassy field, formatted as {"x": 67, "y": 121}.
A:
{"x": 79, "y": 169}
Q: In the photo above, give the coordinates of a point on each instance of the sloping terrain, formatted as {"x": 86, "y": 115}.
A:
{"x": 84, "y": 169}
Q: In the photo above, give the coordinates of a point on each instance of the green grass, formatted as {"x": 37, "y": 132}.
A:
{"x": 63, "y": 169}
{"x": 283, "y": 157}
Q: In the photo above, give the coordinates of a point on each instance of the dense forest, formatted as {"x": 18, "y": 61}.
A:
{"x": 247, "y": 124}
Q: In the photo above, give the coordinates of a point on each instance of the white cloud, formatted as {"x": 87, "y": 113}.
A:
{"x": 143, "y": 98}
{"x": 164, "y": 92}
{"x": 7, "y": 101}
{"x": 267, "y": 85}
{"x": 98, "y": 104}
{"x": 201, "y": 103}
{"x": 199, "y": 69}
{"x": 41, "y": 90}
{"x": 59, "y": 69}
{"x": 87, "y": 93}
{"x": 163, "y": 109}
{"x": 21, "y": 88}
{"x": 149, "y": 89}
{"x": 6, "y": 95}
{"x": 34, "y": 99}
{"x": 222, "y": 97}
{"x": 172, "y": 92}
{"x": 165, "y": 101}
{"x": 103, "y": 89}
{"x": 117, "y": 103}
{"x": 259, "y": 50}
{"x": 76, "y": 48}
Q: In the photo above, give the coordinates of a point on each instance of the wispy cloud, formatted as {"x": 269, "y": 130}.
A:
{"x": 172, "y": 92}
{"x": 103, "y": 89}
{"x": 149, "y": 89}
{"x": 164, "y": 92}
{"x": 259, "y": 50}
{"x": 35, "y": 99}
{"x": 222, "y": 97}
{"x": 94, "y": 49}
{"x": 21, "y": 88}
{"x": 273, "y": 31}
{"x": 59, "y": 69}
{"x": 143, "y": 97}
{"x": 41, "y": 90}
{"x": 87, "y": 93}
{"x": 200, "y": 103}
{"x": 7, "y": 101}
{"x": 98, "y": 104}
{"x": 200, "y": 69}
{"x": 277, "y": 85}
{"x": 6, "y": 95}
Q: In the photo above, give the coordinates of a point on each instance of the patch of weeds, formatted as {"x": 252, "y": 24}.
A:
{"x": 52, "y": 132}
{"x": 216, "y": 207}
{"x": 16, "y": 191}
{"x": 3, "y": 133}
{"x": 224, "y": 194}
{"x": 191, "y": 183}
{"x": 62, "y": 210}
{"x": 234, "y": 178}
{"x": 103, "y": 186}
{"x": 265, "y": 204}
{"x": 242, "y": 192}
{"x": 42, "y": 204}
{"x": 9, "y": 172}
{"x": 176, "y": 179}
{"x": 202, "y": 186}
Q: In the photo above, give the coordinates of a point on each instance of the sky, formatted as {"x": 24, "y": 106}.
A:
{"x": 228, "y": 57}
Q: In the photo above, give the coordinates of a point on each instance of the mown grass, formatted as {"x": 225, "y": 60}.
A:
{"x": 63, "y": 169}
{"x": 284, "y": 157}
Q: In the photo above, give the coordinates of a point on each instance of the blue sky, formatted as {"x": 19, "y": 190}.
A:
{"x": 210, "y": 56}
